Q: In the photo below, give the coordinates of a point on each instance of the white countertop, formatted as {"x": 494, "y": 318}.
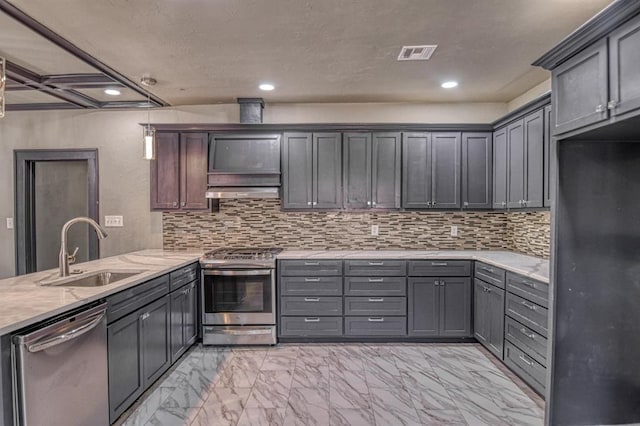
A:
{"x": 25, "y": 302}
{"x": 529, "y": 266}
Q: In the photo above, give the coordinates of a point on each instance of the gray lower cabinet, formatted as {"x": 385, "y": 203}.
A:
{"x": 138, "y": 353}
{"x": 312, "y": 171}
{"x": 371, "y": 170}
{"x": 477, "y": 170}
{"x": 489, "y": 316}
{"x": 183, "y": 319}
{"x": 439, "y": 306}
{"x": 500, "y": 168}
{"x": 373, "y": 326}
{"x": 309, "y": 326}
{"x": 531, "y": 371}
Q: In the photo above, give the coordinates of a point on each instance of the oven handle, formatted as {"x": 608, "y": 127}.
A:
{"x": 237, "y": 272}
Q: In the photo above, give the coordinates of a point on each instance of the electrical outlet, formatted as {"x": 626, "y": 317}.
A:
{"x": 113, "y": 221}
{"x": 9, "y": 223}
{"x": 374, "y": 230}
{"x": 454, "y": 231}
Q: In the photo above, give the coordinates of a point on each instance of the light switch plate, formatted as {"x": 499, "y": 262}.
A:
{"x": 9, "y": 223}
{"x": 113, "y": 221}
{"x": 454, "y": 231}
{"x": 374, "y": 230}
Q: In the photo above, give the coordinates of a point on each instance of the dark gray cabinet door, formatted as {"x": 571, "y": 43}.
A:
{"x": 455, "y": 307}
{"x": 193, "y": 171}
{"x": 165, "y": 173}
{"x": 624, "y": 63}
{"x": 297, "y": 171}
{"x": 385, "y": 173}
{"x": 549, "y": 158}
{"x": 534, "y": 156}
{"x": 357, "y": 170}
{"x": 445, "y": 170}
{"x": 500, "y": 167}
{"x": 327, "y": 170}
{"x": 125, "y": 363}
{"x": 156, "y": 356}
{"x": 416, "y": 170}
{"x": 477, "y": 159}
{"x": 424, "y": 307}
{"x": 580, "y": 88}
{"x": 176, "y": 322}
{"x": 480, "y": 313}
{"x": 191, "y": 314}
{"x": 516, "y": 164}
{"x": 495, "y": 306}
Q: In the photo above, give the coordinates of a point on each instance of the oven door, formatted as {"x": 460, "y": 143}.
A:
{"x": 238, "y": 297}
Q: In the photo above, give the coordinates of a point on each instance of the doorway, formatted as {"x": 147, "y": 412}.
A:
{"x": 51, "y": 187}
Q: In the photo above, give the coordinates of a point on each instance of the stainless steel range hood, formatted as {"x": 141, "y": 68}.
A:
{"x": 243, "y": 192}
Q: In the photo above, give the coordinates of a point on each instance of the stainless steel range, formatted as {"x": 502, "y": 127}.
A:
{"x": 239, "y": 296}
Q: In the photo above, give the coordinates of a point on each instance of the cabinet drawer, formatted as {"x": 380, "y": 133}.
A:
{"x": 323, "y": 306}
{"x": 375, "y": 326}
{"x": 183, "y": 276}
{"x": 439, "y": 268}
{"x": 310, "y": 286}
{"x": 125, "y": 302}
{"x": 490, "y": 274}
{"x": 311, "y": 326}
{"x": 535, "y": 291}
{"x": 375, "y": 286}
{"x": 375, "y": 306}
{"x": 527, "y": 313}
{"x": 379, "y": 268}
{"x": 310, "y": 267}
{"x": 530, "y": 342}
{"x": 526, "y": 367}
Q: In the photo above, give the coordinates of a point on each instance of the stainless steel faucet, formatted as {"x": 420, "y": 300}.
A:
{"x": 65, "y": 258}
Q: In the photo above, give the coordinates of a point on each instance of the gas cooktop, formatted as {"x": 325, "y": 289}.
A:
{"x": 240, "y": 257}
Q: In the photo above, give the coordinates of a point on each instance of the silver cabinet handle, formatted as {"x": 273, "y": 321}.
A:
{"x": 428, "y": 203}
{"x": 530, "y": 336}
{"x": 368, "y": 203}
{"x": 532, "y": 307}
{"x": 487, "y": 269}
{"x": 443, "y": 283}
{"x": 175, "y": 204}
{"x": 311, "y": 299}
{"x": 504, "y": 203}
{"x": 375, "y": 319}
{"x": 465, "y": 204}
{"x": 376, "y": 299}
{"x": 529, "y": 284}
{"x": 376, "y": 280}
{"x": 526, "y": 361}
{"x": 439, "y": 264}
{"x": 436, "y": 282}
{"x": 311, "y": 263}
{"x": 376, "y": 263}
{"x": 433, "y": 203}
{"x": 487, "y": 289}
{"x": 145, "y": 316}
{"x": 524, "y": 203}
{"x": 184, "y": 203}
{"x": 312, "y": 280}
{"x": 613, "y": 104}
{"x": 373, "y": 203}
{"x": 600, "y": 108}
{"x": 315, "y": 203}
{"x": 316, "y": 319}
{"x": 308, "y": 203}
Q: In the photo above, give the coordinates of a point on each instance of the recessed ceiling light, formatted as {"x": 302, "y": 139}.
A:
{"x": 449, "y": 84}
{"x": 112, "y": 92}
{"x": 267, "y": 86}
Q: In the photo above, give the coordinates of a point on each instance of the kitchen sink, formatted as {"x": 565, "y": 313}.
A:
{"x": 92, "y": 279}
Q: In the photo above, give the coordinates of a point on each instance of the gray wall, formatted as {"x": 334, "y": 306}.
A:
{"x": 124, "y": 175}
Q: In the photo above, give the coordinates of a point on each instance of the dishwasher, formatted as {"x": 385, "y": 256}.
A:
{"x": 60, "y": 371}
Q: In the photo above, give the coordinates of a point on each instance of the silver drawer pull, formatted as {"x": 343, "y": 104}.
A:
{"x": 311, "y": 299}
{"x": 376, "y": 299}
{"x": 530, "y": 336}
{"x": 376, "y": 280}
{"x": 316, "y": 319}
{"x": 376, "y": 319}
{"x": 311, "y": 263}
{"x": 529, "y": 284}
{"x": 145, "y": 316}
{"x": 439, "y": 264}
{"x": 532, "y": 307}
{"x": 312, "y": 280}
{"x": 376, "y": 263}
{"x": 526, "y": 361}
{"x": 486, "y": 269}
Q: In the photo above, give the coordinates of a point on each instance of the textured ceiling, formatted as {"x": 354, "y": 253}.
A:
{"x": 208, "y": 51}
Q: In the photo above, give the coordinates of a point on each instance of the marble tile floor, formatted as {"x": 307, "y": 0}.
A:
{"x": 338, "y": 384}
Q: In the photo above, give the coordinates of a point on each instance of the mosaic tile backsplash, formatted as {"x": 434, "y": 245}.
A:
{"x": 262, "y": 223}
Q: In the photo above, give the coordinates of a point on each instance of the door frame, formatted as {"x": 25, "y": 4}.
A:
{"x": 24, "y": 192}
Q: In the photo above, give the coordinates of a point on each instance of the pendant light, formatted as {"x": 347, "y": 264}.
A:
{"x": 3, "y": 82}
{"x": 149, "y": 136}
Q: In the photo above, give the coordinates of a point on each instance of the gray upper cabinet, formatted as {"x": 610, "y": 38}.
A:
{"x": 579, "y": 89}
{"x": 624, "y": 63}
{"x": 312, "y": 171}
{"x": 549, "y": 158}
{"x": 477, "y": 159}
{"x": 533, "y": 160}
{"x": 431, "y": 170}
{"x": 516, "y": 164}
{"x": 371, "y": 170}
{"x": 500, "y": 168}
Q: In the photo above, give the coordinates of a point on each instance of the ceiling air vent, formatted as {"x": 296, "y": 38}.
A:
{"x": 417, "y": 53}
